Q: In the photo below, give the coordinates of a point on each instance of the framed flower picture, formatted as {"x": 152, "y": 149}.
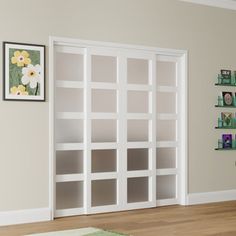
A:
{"x": 23, "y": 72}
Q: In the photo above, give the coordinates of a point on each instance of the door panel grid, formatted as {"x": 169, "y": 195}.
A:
{"x": 116, "y": 126}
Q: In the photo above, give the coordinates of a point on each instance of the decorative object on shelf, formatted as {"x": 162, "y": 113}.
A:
{"x": 227, "y": 98}
{"x": 220, "y": 144}
{"x": 226, "y": 77}
{"x": 24, "y": 72}
{"x": 227, "y": 119}
{"x": 220, "y": 101}
{"x": 227, "y": 140}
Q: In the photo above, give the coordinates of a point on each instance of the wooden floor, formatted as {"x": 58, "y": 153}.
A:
{"x": 217, "y": 219}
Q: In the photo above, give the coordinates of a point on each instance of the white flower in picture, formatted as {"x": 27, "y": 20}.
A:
{"x": 31, "y": 75}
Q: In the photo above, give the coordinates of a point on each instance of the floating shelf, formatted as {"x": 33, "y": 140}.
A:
{"x": 225, "y": 149}
{"x": 225, "y": 127}
{"x": 231, "y": 85}
{"x": 225, "y": 106}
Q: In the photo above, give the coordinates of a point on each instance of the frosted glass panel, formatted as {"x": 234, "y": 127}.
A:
{"x": 166, "y": 73}
{"x": 69, "y": 195}
{"x": 69, "y": 162}
{"x": 103, "y": 161}
{"x": 166, "y": 130}
{"x": 69, "y": 100}
{"x": 137, "y": 71}
{"x": 70, "y": 131}
{"x": 166, "y": 158}
{"x": 69, "y": 66}
{"x": 137, "y": 159}
{"x": 137, "y": 189}
{"x": 166, "y": 103}
{"x": 103, "y": 130}
{"x": 103, "y": 192}
{"x": 103, "y": 100}
{"x": 104, "y": 69}
{"x": 137, "y": 130}
{"x": 137, "y": 102}
{"x": 166, "y": 187}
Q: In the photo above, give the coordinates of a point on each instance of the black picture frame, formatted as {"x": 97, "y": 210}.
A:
{"x": 24, "y": 71}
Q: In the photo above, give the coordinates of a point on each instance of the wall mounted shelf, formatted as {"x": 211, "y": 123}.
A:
{"x": 225, "y": 106}
{"x": 226, "y": 120}
{"x": 230, "y": 85}
{"x": 225, "y": 127}
{"x": 225, "y": 149}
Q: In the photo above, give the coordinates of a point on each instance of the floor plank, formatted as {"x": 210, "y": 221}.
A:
{"x": 216, "y": 219}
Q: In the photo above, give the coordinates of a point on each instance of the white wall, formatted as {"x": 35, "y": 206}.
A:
{"x": 209, "y": 35}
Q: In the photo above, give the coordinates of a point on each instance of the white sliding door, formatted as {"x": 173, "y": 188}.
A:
{"x": 116, "y": 136}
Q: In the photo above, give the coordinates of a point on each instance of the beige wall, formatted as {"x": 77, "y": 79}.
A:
{"x": 209, "y": 35}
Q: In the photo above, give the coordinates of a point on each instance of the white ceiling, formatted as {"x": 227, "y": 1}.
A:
{"x": 228, "y": 4}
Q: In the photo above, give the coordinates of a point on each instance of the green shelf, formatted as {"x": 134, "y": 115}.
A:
{"x": 225, "y": 149}
{"x": 231, "y": 85}
{"x": 225, "y": 106}
{"x": 225, "y": 127}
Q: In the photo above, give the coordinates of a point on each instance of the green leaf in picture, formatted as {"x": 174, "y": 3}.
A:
{"x": 35, "y": 57}
{"x": 15, "y": 74}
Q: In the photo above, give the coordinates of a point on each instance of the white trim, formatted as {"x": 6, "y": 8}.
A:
{"x": 88, "y": 43}
{"x": 139, "y": 116}
{"x": 103, "y": 115}
{"x": 227, "y": 4}
{"x": 104, "y": 175}
{"x": 104, "y": 86}
{"x": 167, "y": 202}
{"x": 139, "y": 173}
{"x": 69, "y": 212}
{"x": 166, "y": 116}
{"x": 139, "y": 205}
{"x": 139, "y": 144}
{"x": 138, "y": 87}
{"x": 104, "y": 209}
{"x": 70, "y": 115}
{"x": 69, "y": 84}
{"x": 69, "y": 178}
{"x": 51, "y": 133}
{"x": 70, "y": 50}
{"x": 169, "y": 171}
{"x": 101, "y": 146}
{"x": 209, "y": 197}
{"x": 87, "y": 133}
{"x": 25, "y": 216}
{"x": 69, "y": 146}
{"x": 183, "y": 161}
{"x": 167, "y": 89}
{"x": 166, "y": 144}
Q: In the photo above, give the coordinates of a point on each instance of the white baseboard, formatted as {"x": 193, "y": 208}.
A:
{"x": 208, "y": 197}
{"x": 24, "y": 216}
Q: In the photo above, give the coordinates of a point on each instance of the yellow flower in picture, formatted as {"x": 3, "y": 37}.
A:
{"x": 21, "y": 58}
{"x": 20, "y": 90}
